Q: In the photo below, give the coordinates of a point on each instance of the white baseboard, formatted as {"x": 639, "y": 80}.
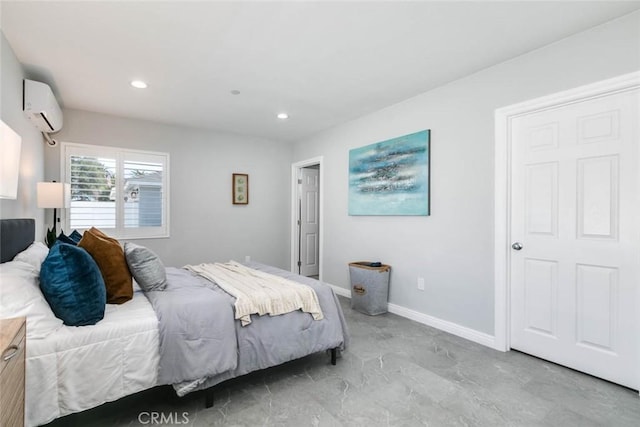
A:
{"x": 341, "y": 291}
{"x": 443, "y": 325}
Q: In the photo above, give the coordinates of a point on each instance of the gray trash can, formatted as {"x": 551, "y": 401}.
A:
{"x": 369, "y": 287}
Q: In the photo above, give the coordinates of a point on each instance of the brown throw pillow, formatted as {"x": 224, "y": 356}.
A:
{"x": 109, "y": 256}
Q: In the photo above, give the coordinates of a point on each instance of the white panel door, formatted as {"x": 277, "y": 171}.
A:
{"x": 309, "y": 222}
{"x": 575, "y": 226}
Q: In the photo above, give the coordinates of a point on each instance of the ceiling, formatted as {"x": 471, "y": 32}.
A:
{"x": 324, "y": 63}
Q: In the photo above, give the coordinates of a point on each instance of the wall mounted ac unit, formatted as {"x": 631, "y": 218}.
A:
{"x": 40, "y": 106}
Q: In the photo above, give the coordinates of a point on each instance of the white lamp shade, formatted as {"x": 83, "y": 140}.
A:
{"x": 54, "y": 195}
{"x": 10, "y": 143}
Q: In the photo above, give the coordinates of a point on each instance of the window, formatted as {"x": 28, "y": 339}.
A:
{"x": 122, "y": 192}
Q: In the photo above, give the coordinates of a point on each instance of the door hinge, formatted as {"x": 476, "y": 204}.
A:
{"x": 299, "y": 181}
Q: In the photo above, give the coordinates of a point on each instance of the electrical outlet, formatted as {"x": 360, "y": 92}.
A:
{"x": 421, "y": 283}
{"x": 247, "y": 258}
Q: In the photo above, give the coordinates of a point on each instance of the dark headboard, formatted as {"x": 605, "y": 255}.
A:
{"x": 15, "y": 236}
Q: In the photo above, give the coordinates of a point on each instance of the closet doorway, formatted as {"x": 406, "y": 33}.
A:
{"x": 306, "y": 214}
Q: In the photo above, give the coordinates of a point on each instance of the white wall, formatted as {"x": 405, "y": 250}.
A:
{"x": 453, "y": 248}
{"x": 32, "y": 149}
{"x": 205, "y": 225}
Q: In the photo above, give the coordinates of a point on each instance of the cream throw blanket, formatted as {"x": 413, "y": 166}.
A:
{"x": 260, "y": 293}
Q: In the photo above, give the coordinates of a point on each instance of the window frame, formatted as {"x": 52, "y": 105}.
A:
{"x": 121, "y": 155}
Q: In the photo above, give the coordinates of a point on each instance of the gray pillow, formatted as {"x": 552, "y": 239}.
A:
{"x": 146, "y": 267}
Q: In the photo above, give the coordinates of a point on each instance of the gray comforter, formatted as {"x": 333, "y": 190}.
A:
{"x": 197, "y": 335}
{"x": 202, "y": 345}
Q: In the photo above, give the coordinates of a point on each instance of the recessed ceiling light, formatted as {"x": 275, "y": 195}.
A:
{"x": 139, "y": 84}
{"x": 283, "y": 116}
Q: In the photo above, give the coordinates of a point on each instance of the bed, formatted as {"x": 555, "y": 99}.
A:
{"x": 71, "y": 369}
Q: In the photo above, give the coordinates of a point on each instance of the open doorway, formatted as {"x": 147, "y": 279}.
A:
{"x": 306, "y": 242}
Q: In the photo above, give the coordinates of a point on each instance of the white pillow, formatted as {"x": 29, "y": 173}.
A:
{"x": 34, "y": 255}
{"x": 20, "y": 295}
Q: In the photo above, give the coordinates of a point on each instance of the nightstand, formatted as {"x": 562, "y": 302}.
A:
{"x": 12, "y": 347}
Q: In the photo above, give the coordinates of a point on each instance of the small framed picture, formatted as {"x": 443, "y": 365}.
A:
{"x": 240, "y": 184}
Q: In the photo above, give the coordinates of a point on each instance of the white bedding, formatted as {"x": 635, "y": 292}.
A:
{"x": 78, "y": 368}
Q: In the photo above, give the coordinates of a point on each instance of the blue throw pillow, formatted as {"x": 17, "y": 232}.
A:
{"x": 75, "y": 236}
{"x": 72, "y": 285}
{"x": 63, "y": 238}
{"x": 71, "y": 239}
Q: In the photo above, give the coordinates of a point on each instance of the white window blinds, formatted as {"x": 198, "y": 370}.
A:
{"x": 123, "y": 192}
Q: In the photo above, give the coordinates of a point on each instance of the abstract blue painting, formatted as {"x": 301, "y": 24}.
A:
{"x": 390, "y": 177}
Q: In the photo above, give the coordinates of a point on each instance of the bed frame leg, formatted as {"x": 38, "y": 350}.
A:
{"x": 208, "y": 397}
{"x": 334, "y": 353}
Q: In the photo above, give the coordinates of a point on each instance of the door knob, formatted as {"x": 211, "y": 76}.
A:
{"x": 517, "y": 246}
